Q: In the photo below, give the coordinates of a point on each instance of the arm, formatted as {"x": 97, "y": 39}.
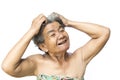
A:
{"x": 99, "y": 36}
{"x": 13, "y": 64}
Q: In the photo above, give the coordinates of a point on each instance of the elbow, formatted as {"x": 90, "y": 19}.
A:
{"x": 107, "y": 32}
{"x": 7, "y": 69}
{"x": 104, "y": 32}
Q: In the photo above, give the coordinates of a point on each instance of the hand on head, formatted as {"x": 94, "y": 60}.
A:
{"x": 40, "y": 19}
{"x": 64, "y": 20}
{"x": 37, "y": 22}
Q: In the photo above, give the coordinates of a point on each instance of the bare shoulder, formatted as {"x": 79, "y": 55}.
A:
{"x": 77, "y": 53}
{"x": 36, "y": 57}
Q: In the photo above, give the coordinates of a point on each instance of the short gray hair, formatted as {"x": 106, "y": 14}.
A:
{"x": 39, "y": 38}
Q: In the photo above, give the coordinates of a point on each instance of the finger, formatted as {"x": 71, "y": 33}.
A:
{"x": 38, "y": 17}
{"x": 42, "y": 19}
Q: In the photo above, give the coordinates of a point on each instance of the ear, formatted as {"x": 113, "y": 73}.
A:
{"x": 43, "y": 47}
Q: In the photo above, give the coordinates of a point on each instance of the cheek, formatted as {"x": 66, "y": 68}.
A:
{"x": 50, "y": 42}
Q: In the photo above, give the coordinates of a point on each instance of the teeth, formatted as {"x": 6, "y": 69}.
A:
{"x": 62, "y": 42}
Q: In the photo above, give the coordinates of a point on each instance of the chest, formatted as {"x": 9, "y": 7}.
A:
{"x": 72, "y": 69}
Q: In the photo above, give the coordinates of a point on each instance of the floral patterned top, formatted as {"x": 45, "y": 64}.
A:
{"x": 54, "y": 77}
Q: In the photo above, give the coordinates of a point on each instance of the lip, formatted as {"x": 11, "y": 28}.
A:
{"x": 62, "y": 42}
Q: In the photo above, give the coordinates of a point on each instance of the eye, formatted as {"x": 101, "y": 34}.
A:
{"x": 52, "y": 35}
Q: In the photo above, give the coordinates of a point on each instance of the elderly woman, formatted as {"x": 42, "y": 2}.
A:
{"x": 50, "y": 36}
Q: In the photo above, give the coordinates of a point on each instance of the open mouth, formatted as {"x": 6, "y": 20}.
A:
{"x": 62, "y": 42}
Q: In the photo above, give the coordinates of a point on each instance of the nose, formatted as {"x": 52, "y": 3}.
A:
{"x": 61, "y": 36}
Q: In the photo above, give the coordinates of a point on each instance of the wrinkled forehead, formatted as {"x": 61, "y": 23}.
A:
{"x": 52, "y": 26}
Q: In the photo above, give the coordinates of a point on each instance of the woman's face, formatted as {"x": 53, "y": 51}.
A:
{"x": 56, "y": 38}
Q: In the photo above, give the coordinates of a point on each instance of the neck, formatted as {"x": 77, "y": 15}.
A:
{"x": 59, "y": 57}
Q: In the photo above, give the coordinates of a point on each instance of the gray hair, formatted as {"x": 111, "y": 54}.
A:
{"x": 39, "y": 38}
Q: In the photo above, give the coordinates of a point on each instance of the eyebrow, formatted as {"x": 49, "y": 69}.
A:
{"x": 50, "y": 31}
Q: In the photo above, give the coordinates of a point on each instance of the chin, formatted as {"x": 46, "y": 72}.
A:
{"x": 63, "y": 48}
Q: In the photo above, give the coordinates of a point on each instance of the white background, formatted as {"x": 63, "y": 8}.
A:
{"x": 16, "y": 17}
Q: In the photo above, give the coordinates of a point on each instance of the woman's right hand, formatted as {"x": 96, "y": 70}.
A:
{"x": 37, "y": 22}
